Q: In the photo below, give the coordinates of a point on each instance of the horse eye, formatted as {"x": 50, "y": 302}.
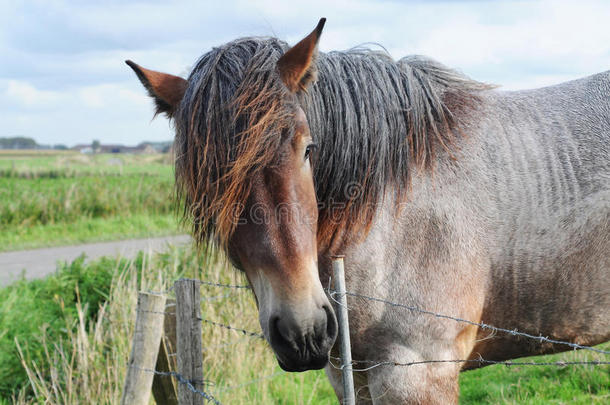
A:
{"x": 308, "y": 150}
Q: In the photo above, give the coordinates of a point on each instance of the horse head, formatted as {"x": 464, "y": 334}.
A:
{"x": 243, "y": 168}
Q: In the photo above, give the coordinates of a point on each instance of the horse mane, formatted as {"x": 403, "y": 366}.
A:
{"x": 374, "y": 119}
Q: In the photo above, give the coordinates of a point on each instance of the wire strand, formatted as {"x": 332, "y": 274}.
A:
{"x": 188, "y": 383}
{"x": 229, "y": 327}
{"x": 514, "y": 332}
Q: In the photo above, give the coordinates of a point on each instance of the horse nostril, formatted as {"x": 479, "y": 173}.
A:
{"x": 331, "y": 322}
{"x": 278, "y": 333}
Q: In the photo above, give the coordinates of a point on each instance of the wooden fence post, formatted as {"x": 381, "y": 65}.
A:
{"x": 146, "y": 339}
{"x": 188, "y": 334}
{"x": 164, "y": 387}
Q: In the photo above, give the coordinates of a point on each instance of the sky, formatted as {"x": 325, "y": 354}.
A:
{"x": 63, "y": 79}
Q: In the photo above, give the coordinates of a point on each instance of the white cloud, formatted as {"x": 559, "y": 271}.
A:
{"x": 107, "y": 96}
{"x": 557, "y": 36}
{"x": 28, "y": 96}
{"x": 112, "y": 113}
{"x": 63, "y": 76}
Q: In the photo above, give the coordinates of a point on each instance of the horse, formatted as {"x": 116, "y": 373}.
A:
{"x": 442, "y": 192}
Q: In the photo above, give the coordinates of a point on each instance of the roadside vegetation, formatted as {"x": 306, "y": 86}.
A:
{"x": 51, "y": 199}
{"x": 66, "y": 339}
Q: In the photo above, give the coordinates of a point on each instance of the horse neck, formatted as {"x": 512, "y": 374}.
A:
{"x": 372, "y": 135}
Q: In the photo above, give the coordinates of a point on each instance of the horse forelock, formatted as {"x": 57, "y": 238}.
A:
{"x": 228, "y": 128}
{"x": 374, "y": 119}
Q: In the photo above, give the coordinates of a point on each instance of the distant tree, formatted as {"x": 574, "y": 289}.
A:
{"x": 18, "y": 142}
{"x": 60, "y": 146}
{"x": 95, "y": 145}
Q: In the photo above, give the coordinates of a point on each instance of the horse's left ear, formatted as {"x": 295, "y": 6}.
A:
{"x": 297, "y": 66}
{"x": 167, "y": 90}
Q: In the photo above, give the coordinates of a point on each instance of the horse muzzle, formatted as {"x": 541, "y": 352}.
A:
{"x": 303, "y": 343}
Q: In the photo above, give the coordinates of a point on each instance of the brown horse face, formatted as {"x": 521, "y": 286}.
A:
{"x": 274, "y": 241}
{"x": 275, "y": 245}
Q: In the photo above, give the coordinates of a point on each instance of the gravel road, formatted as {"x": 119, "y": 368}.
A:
{"x": 38, "y": 263}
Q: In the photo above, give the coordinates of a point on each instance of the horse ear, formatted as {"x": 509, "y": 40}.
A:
{"x": 167, "y": 90}
{"x": 297, "y": 66}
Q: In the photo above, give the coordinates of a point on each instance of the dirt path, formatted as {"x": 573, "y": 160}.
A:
{"x": 40, "y": 262}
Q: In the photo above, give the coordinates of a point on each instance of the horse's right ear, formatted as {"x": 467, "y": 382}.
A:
{"x": 167, "y": 90}
{"x": 297, "y": 66}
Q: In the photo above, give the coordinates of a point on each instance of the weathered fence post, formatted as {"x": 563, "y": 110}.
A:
{"x": 189, "y": 346}
{"x": 164, "y": 387}
{"x": 346, "y": 352}
{"x": 145, "y": 346}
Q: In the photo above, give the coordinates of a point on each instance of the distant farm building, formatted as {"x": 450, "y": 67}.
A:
{"x": 143, "y": 148}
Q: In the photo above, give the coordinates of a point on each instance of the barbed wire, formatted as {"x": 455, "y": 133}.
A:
{"x": 367, "y": 364}
{"x": 154, "y": 312}
{"x": 222, "y": 285}
{"x": 220, "y": 389}
{"x": 376, "y": 363}
{"x": 482, "y": 325}
{"x": 162, "y": 292}
{"x": 188, "y": 383}
{"x": 201, "y": 282}
{"x": 332, "y": 293}
{"x": 233, "y": 328}
{"x": 173, "y": 374}
{"x": 218, "y": 297}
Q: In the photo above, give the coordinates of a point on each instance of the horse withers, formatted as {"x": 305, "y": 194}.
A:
{"x": 443, "y": 193}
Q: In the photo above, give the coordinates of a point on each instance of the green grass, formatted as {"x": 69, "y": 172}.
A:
{"x": 54, "y": 199}
{"x": 44, "y": 201}
{"x": 30, "y": 307}
{"x": 32, "y": 164}
{"x": 88, "y": 230}
{"x": 539, "y": 384}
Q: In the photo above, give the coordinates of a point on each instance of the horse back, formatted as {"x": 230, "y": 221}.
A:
{"x": 546, "y": 167}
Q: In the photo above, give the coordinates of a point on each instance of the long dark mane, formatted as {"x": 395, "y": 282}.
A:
{"x": 373, "y": 118}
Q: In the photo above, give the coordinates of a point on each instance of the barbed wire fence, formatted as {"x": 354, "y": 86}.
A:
{"x": 192, "y": 388}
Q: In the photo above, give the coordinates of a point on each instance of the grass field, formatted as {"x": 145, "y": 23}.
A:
{"x": 63, "y": 198}
{"x": 65, "y": 339}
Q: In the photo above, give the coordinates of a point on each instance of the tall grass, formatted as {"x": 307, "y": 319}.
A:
{"x": 68, "y": 198}
{"x": 89, "y": 359}
{"x": 89, "y": 229}
{"x": 48, "y": 201}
